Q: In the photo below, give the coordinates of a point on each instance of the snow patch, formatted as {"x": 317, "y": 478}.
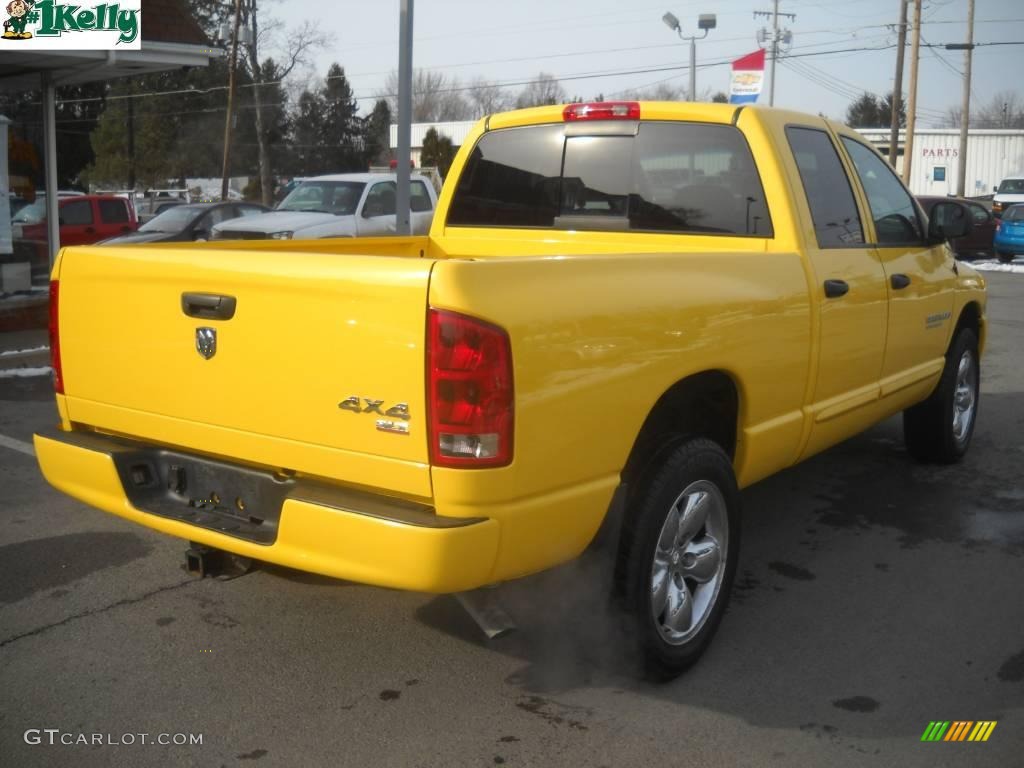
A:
{"x": 24, "y": 351}
{"x": 1016, "y": 267}
{"x": 25, "y": 372}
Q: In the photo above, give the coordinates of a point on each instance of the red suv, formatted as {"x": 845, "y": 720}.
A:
{"x": 86, "y": 219}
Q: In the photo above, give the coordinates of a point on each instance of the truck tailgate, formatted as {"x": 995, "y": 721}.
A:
{"x": 309, "y": 333}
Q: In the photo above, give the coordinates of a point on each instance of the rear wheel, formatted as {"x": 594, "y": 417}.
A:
{"x": 680, "y": 548}
{"x": 940, "y": 429}
{"x": 1004, "y": 256}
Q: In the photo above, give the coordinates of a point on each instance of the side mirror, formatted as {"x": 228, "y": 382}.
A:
{"x": 949, "y": 221}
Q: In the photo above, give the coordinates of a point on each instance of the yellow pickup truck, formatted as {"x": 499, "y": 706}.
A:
{"x": 623, "y": 313}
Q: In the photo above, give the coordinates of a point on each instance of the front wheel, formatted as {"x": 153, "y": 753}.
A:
{"x": 939, "y": 430}
{"x": 680, "y": 548}
{"x": 1004, "y": 256}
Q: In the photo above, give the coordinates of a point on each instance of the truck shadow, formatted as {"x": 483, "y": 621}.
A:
{"x": 826, "y": 613}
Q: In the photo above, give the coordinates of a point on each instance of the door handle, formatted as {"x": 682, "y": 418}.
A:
{"x": 899, "y": 282}
{"x": 836, "y": 288}
{"x": 208, "y": 306}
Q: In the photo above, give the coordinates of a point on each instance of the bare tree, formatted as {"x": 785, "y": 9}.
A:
{"x": 659, "y": 92}
{"x": 485, "y": 97}
{"x": 436, "y": 97}
{"x": 542, "y": 90}
{"x": 297, "y": 52}
{"x": 1004, "y": 110}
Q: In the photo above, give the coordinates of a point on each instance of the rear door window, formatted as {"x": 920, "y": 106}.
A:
{"x": 114, "y": 212}
{"x": 829, "y": 196}
{"x": 670, "y": 177}
{"x": 892, "y": 207}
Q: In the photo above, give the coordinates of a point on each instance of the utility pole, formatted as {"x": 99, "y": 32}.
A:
{"x": 785, "y": 36}
{"x": 232, "y": 65}
{"x": 131, "y": 139}
{"x": 965, "y": 107}
{"x": 897, "y": 87}
{"x": 403, "y": 219}
{"x": 915, "y": 54}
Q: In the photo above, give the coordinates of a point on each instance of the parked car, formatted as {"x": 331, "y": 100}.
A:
{"x": 1009, "y": 192}
{"x": 25, "y": 212}
{"x": 85, "y": 219}
{"x": 979, "y": 242}
{"x": 1009, "y": 239}
{"x": 187, "y": 222}
{"x": 341, "y": 205}
{"x": 157, "y": 209}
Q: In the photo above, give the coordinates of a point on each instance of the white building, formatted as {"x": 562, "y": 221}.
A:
{"x": 992, "y": 154}
{"x": 456, "y": 131}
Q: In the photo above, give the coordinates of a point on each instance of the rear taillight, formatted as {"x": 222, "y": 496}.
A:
{"x": 602, "y": 110}
{"x": 58, "y": 374}
{"x": 469, "y": 380}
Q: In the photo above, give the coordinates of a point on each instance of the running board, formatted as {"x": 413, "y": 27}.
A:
{"x": 485, "y": 609}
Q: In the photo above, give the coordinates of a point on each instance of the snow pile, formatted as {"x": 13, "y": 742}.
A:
{"x": 1017, "y": 266}
{"x": 10, "y": 352}
{"x": 25, "y": 372}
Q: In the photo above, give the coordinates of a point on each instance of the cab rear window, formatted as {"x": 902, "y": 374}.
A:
{"x": 670, "y": 177}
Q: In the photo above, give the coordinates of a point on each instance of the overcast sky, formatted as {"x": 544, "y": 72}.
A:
{"x": 586, "y": 42}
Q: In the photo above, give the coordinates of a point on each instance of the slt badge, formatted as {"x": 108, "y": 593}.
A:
{"x": 396, "y": 417}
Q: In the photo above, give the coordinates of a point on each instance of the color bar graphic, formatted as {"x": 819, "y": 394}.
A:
{"x": 958, "y": 730}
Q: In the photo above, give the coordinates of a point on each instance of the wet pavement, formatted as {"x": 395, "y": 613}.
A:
{"x": 874, "y": 595}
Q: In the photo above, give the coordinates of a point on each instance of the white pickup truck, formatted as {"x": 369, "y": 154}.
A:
{"x": 339, "y": 205}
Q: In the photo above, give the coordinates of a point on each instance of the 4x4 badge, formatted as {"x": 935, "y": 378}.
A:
{"x": 206, "y": 342}
{"x": 355, "y": 404}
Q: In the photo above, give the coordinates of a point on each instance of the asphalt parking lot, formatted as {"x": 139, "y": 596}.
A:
{"x": 873, "y": 596}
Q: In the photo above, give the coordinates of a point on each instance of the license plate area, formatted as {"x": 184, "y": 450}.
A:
{"x": 237, "y": 501}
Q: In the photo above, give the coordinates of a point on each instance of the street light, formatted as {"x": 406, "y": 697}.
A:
{"x": 705, "y": 22}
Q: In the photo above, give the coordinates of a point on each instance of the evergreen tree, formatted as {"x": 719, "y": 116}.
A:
{"x": 308, "y": 136}
{"x": 343, "y": 128}
{"x": 864, "y": 112}
{"x": 438, "y": 152}
{"x": 377, "y": 134}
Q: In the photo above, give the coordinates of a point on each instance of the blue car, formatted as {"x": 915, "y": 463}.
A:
{"x": 1009, "y": 237}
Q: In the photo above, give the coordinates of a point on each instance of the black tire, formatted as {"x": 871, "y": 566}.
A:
{"x": 929, "y": 428}
{"x": 1004, "y": 257}
{"x": 698, "y": 471}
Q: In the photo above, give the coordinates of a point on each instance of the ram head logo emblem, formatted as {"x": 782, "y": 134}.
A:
{"x": 206, "y": 342}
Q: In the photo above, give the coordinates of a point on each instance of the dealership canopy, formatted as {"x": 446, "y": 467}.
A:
{"x": 171, "y": 39}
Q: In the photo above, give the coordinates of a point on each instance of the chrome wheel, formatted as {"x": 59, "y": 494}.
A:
{"x": 689, "y": 562}
{"x": 965, "y": 397}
